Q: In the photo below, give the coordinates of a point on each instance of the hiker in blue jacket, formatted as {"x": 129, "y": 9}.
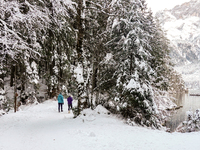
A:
{"x": 60, "y": 102}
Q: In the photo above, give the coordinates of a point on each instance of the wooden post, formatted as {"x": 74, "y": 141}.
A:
{"x": 16, "y": 102}
{"x": 15, "y": 92}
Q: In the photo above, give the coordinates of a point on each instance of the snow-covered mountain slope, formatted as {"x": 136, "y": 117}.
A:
{"x": 182, "y": 25}
{"x": 190, "y": 74}
{"x": 41, "y": 127}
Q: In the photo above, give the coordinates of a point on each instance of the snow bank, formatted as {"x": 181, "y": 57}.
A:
{"x": 90, "y": 115}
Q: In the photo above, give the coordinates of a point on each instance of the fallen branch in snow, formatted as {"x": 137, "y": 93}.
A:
{"x": 194, "y": 94}
{"x": 174, "y": 108}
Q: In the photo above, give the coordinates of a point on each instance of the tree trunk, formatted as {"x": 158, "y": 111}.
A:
{"x": 80, "y": 30}
{"x": 15, "y": 90}
{"x": 94, "y": 81}
{"x": 12, "y": 76}
{"x": 80, "y": 33}
{"x": 131, "y": 64}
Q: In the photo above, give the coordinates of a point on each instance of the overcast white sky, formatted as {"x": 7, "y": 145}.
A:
{"x": 162, "y": 4}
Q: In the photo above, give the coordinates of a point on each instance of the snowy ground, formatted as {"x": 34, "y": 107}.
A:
{"x": 41, "y": 127}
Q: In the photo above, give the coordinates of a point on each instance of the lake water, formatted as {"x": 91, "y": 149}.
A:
{"x": 189, "y": 103}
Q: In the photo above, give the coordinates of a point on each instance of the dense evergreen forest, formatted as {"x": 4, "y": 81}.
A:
{"x": 108, "y": 52}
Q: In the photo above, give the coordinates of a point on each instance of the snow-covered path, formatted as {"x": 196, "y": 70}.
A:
{"x": 41, "y": 127}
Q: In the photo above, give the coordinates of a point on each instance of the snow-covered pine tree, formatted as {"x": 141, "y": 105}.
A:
{"x": 26, "y": 26}
{"x": 96, "y": 35}
{"x": 161, "y": 79}
{"x": 160, "y": 61}
{"x": 19, "y": 27}
{"x": 57, "y": 41}
{"x": 130, "y": 43}
{"x": 165, "y": 77}
{"x": 78, "y": 56}
{"x": 4, "y": 104}
{"x": 192, "y": 124}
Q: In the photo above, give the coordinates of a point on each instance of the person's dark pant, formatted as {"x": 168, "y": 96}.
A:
{"x": 69, "y": 107}
{"x": 60, "y": 107}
